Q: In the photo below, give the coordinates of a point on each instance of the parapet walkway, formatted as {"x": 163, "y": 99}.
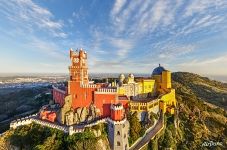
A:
{"x": 67, "y": 129}
{"x": 149, "y": 135}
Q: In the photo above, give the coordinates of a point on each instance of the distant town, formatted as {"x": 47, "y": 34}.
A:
{"x": 41, "y": 80}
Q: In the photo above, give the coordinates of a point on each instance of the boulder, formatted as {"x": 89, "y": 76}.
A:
{"x": 69, "y": 118}
{"x": 83, "y": 114}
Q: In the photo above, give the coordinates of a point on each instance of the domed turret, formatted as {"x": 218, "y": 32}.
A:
{"x": 121, "y": 77}
{"x": 158, "y": 70}
{"x": 131, "y": 75}
{"x": 130, "y": 78}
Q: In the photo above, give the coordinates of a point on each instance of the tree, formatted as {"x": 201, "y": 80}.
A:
{"x": 135, "y": 127}
{"x": 51, "y": 143}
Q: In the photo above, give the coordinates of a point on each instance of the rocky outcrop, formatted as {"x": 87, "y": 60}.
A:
{"x": 66, "y": 108}
{"x": 69, "y": 116}
{"x": 97, "y": 133}
{"x": 93, "y": 112}
{"x": 102, "y": 144}
{"x": 83, "y": 114}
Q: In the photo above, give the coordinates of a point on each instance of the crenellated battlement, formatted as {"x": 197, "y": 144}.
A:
{"x": 73, "y": 130}
{"x": 104, "y": 120}
{"x": 106, "y": 90}
{"x": 88, "y": 85}
{"x": 70, "y": 130}
{"x": 117, "y": 107}
{"x": 116, "y": 122}
{"x": 51, "y": 125}
{"x": 22, "y": 121}
{"x": 77, "y": 53}
{"x": 74, "y": 53}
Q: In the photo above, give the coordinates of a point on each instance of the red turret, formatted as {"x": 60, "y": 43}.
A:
{"x": 117, "y": 112}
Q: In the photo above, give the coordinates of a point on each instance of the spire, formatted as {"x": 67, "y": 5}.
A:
{"x": 159, "y": 65}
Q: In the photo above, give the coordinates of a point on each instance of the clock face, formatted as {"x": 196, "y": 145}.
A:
{"x": 76, "y": 60}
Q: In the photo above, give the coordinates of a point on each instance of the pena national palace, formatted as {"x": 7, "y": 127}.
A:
{"x": 82, "y": 103}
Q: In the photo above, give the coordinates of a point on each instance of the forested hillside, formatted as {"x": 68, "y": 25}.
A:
{"x": 17, "y": 103}
{"x": 205, "y": 89}
{"x": 200, "y": 121}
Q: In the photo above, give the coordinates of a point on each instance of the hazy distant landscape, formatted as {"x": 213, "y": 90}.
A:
{"x": 218, "y": 78}
{"x": 64, "y": 76}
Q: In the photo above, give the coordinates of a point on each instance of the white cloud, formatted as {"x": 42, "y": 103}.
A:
{"x": 211, "y": 66}
{"x": 169, "y": 21}
{"x": 46, "y": 47}
{"x": 201, "y": 6}
{"x": 118, "y": 7}
{"x": 141, "y": 17}
{"x": 123, "y": 46}
{"x": 27, "y": 14}
{"x": 137, "y": 18}
{"x": 173, "y": 50}
{"x": 26, "y": 20}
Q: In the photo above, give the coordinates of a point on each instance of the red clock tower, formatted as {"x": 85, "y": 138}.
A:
{"x": 78, "y": 69}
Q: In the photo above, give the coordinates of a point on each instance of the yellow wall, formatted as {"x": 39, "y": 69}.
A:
{"x": 158, "y": 81}
{"x": 140, "y": 87}
{"x": 121, "y": 90}
{"x": 130, "y": 80}
{"x": 166, "y": 79}
{"x": 169, "y": 98}
{"x": 143, "y": 106}
{"x": 148, "y": 86}
{"x": 169, "y": 101}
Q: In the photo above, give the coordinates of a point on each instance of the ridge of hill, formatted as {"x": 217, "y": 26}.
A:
{"x": 201, "y": 118}
{"x": 210, "y": 91}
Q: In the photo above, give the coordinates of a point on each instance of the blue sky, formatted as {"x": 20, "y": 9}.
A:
{"x": 119, "y": 36}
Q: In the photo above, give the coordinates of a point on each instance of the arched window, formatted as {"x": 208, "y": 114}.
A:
{"x": 118, "y": 132}
{"x": 118, "y": 143}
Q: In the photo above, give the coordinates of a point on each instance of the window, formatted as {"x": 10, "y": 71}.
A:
{"x": 118, "y": 132}
{"x": 118, "y": 143}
